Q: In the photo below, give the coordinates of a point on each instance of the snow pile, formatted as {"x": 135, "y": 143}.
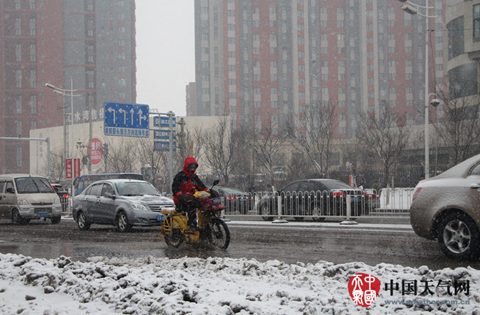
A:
{"x": 210, "y": 286}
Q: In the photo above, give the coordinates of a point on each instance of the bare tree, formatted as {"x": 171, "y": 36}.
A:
{"x": 57, "y": 165}
{"x": 385, "y": 137}
{"x": 219, "y": 152}
{"x": 267, "y": 146}
{"x": 315, "y": 140}
{"x": 148, "y": 157}
{"x": 191, "y": 143}
{"x": 122, "y": 156}
{"x": 459, "y": 130}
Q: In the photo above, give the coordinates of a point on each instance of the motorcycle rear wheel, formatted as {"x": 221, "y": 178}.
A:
{"x": 218, "y": 234}
{"x": 175, "y": 239}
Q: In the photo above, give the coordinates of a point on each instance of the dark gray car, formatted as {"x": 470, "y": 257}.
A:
{"x": 447, "y": 208}
{"x": 120, "y": 202}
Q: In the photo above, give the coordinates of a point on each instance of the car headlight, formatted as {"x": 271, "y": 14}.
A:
{"x": 140, "y": 207}
{"x": 23, "y": 202}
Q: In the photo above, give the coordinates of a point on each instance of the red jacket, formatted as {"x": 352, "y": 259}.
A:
{"x": 186, "y": 182}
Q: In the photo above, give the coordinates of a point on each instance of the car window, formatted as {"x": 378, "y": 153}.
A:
{"x": 136, "y": 189}
{"x": 107, "y": 190}
{"x": 319, "y": 186}
{"x": 476, "y": 170}
{"x": 291, "y": 187}
{"x": 335, "y": 184}
{"x": 9, "y": 185}
{"x": 96, "y": 190}
{"x": 2, "y": 184}
{"x": 33, "y": 185}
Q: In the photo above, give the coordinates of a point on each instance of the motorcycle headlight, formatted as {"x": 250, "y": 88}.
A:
{"x": 139, "y": 207}
{"x": 23, "y": 202}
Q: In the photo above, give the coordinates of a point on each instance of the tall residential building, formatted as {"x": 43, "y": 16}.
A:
{"x": 191, "y": 100}
{"x": 85, "y": 44}
{"x": 263, "y": 61}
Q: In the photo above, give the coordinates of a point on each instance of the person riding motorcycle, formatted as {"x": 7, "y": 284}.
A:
{"x": 184, "y": 185}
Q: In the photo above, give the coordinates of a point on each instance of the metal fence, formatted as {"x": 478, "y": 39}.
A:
{"x": 319, "y": 205}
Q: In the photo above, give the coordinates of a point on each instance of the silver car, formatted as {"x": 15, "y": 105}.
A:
{"x": 120, "y": 202}
{"x": 447, "y": 208}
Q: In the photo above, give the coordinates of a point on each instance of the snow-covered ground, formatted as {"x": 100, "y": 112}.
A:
{"x": 216, "y": 286}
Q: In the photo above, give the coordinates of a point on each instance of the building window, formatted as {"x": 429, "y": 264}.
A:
{"x": 31, "y": 4}
{"x": 476, "y": 22}
{"x": 18, "y": 127}
{"x": 18, "y": 52}
{"x": 90, "y": 54}
{"x": 18, "y": 26}
{"x": 18, "y": 104}
{"x": 33, "y": 79}
{"x": 17, "y": 5}
{"x": 89, "y": 5}
{"x": 32, "y": 26}
{"x": 33, "y": 53}
{"x": 463, "y": 80}
{"x": 33, "y": 104}
{"x": 90, "y": 28}
{"x": 90, "y": 79}
{"x": 455, "y": 37}
{"x": 18, "y": 78}
{"x": 19, "y": 157}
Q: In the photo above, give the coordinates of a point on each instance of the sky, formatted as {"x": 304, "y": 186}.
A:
{"x": 165, "y": 53}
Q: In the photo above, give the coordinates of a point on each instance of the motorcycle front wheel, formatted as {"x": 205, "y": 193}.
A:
{"x": 174, "y": 239}
{"x": 218, "y": 234}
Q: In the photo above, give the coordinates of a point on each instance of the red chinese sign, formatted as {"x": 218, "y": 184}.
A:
{"x": 72, "y": 168}
{"x": 95, "y": 151}
{"x": 68, "y": 168}
{"x": 363, "y": 289}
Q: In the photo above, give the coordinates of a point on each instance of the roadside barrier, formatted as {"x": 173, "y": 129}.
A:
{"x": 318, "y": 205}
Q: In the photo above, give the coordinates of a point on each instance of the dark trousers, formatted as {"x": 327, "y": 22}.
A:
{"x": 189, "y": 205}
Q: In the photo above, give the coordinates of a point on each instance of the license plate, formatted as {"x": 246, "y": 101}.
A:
{"x": 160, "y": 217}
{"x": 43, "y": 214}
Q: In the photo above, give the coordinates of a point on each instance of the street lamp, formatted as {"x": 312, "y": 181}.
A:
{"x": 69, "y": 92}
{"x": 413, "y": 8}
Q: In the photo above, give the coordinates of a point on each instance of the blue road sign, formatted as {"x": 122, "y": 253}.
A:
{"x": 163, "y": 121}
{"x": 163, "y": 146}
{"x": 127, "y": 120}
{"x": 163, "y": 134}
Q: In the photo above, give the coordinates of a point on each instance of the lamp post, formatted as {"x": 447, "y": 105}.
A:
{"x": 67, "y": 92}
{"x": 413, "y": 8}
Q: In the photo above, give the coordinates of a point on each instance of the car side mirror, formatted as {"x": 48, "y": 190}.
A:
{"x": 216, "y": 182}
{"x": 110, "y": 195}
{"x": 10, "y": 190}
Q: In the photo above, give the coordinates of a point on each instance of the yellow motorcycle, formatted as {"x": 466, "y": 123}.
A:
{"x": 211, "y": 228}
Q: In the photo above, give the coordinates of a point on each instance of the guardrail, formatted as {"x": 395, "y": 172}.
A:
{"x": 319, "y": 205}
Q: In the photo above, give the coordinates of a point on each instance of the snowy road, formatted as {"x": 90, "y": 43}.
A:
{"x": 286, "y": 243}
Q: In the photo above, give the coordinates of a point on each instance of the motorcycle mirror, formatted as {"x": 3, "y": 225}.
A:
{"x": 215, "y": 182}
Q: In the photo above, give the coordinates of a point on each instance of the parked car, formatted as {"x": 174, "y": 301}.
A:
{"x": 62, "y": 194}
{"x": 24, "y": 197}
{"x": 317, "y": 198}
{"x": 447, "y": 208}
{"x": 120, "y": 202}
{"x": 236, "y": 201}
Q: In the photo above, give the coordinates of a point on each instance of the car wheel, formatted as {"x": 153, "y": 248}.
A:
{"x": 121, "y": 222}
{"x": 82, "y": 222}
{"x": 56, "y": 220}
{"x": 458, "y": 236}
{"x": 17, "y": 218}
